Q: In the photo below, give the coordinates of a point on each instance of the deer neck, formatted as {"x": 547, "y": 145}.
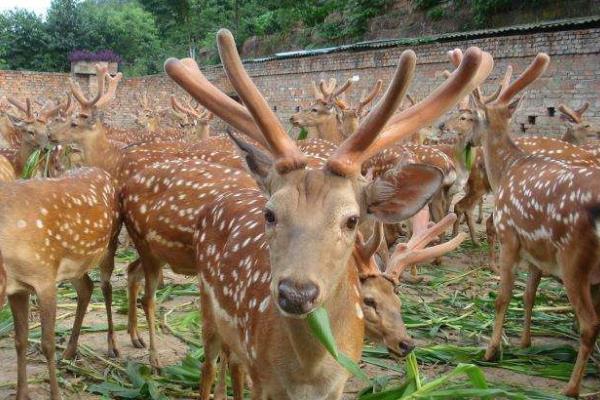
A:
{"x": 203, "y": 131}
{"x": 569, "y": 136}
{"x": 329, "y": 130}
{"x": 349, "y": 124}
{"x": 346, "y": 320}
{"x": 499, "y": 151}
{"x": 99, "y": 152}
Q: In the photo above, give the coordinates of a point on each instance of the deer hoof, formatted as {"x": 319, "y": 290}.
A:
{"x": 138, "y": 343}
{"x": 69, "y": 354}
{"x": 113, "y": 353}
{"x": 571, "y": 391}
{"x": 491, "y": 354}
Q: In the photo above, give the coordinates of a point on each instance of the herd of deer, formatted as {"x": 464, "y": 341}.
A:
{"x": 275, "y": 227}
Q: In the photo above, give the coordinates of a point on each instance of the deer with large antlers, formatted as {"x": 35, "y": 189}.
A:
{"x": 546, "y": 213}
{"x": 53, "y": 230}
{"x": 311, "y": 220}
{"x": 321, "y": 117}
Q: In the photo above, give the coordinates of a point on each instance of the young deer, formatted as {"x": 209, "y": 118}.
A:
{"x": 579, "y": 131}
{"x": 258, "y": 316}
{"x": 53, "y": 230}
{"x": 546, "y": 213}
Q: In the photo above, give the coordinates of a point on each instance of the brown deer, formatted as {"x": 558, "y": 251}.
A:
{"x": 321, "y": 118}
{"x": 260, "y": 319}
{"x": 379, "y": 302}
{"x": 350, "y": 114}
{"x": 579, "y": 131}
{"x": 7, "y": 174}
{"x": 53, "y": 230}
{"x": 201, "y": 120}
{"x": 29, "y": 131}
{"x": 546, "y": 213}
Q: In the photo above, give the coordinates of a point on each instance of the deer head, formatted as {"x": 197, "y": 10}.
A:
{"x": 322, "y": 113}
{"x": 579, "y": 131}
{"x": 381, "y": 305}
{"x": 199, "y": 116}
{"x": 312, "y": 215}
{"x": 350, "y": 114}
{"x": 85, "y": 124}
{"x": 31, "y": 126}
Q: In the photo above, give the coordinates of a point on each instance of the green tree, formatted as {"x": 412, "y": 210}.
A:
{"x": 23, "y": 41}
{"x": 64, "y": 29}
{"x": 127, "y": 29}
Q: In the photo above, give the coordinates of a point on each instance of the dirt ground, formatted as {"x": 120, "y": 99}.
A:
{"x": 172, "y": 350}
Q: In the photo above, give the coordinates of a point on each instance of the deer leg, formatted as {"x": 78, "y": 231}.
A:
{"x": 580, "y": 295}
{"x": 212, "y": 348}
{"x": 106, "y": 269}
{"x": 533, "y": 281}
{"x": 480, "y": 211}
{"x": 490, "y": 232}
{"x": 135, "y": 273}
{"x": 84, "y": 288}
{"x": 509, "y": 257}
{"x": 19, "y": 306}
{"x": 47, "y": 299}
{"x": 238, "y": 376}
{"x": 221, "y": 387}
{"x": 151, "y": 269}
{"x": 465, "y": 207}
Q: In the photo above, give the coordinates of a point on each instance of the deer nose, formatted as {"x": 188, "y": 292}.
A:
{"x": 297, "y": 298}
{"x": 441, "y": 125}
{"x": 406, "y": 346}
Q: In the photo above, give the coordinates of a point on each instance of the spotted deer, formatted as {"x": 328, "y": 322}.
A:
{"x": 7, "y": 174}
{"x": 259, "y": 317}
{"x": 29, "y": 130}
{"x": 546, "y": 213}
{"x": 380, "y": 305}
{"x": 350, "y": 114}
{"x": 201, "y": 119}
{"x": 579, "y": 131}
{"x": 321, "y": 117}
{"x": 53, "y": 230}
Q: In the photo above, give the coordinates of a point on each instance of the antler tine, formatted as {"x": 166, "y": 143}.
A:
{"x": 112, "y": 89}
{"x": 456, "y": 57}
{"x": 24, "y": 107}
{"x": 473, "y": 70}
{"x": 569, "y": 113}
{"x": 342, "y": 89}
{"x": 421, "y": 239}
{"x": 412, "y": 257}
{"x": 187, "y": 109}
{"x": 362, "y": 103}
{"x": 318, "y": 95}
{"x": 49, "y": 111}
{"x": 86, "y": 105}
{"x": 532, "y": 73}
{"x": 581, "y": 110}
{"x": 347, "y": 159}
{"x": 189, "y": 77}
{"x": 415, "y": 251}
{"x": 288, "y": 156}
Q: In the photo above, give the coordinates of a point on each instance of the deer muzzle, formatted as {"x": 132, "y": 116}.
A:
{"x": 297, "y": 298}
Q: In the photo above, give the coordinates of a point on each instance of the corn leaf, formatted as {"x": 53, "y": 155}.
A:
{"x": 303, "y": 134}
{"x": 31, "y": 164}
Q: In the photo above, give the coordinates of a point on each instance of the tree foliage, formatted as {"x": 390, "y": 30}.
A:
{"x": 145, "y": 32}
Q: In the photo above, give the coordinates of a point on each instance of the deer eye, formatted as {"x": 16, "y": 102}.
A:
{"x": 370, "y": 302}
{"x": 351, "y": 222}
{"x": 270, "y": 217}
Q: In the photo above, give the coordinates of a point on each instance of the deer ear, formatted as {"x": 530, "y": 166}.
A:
{"x": 15, "y": 121}
{"x": 402, "y": 191}
{"x": 258, "y": 162}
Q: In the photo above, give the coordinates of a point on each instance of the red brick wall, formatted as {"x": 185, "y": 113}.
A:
{"x": 573, "y": 76}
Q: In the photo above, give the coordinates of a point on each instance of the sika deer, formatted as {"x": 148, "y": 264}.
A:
{"x": 321, "y": 117}
{"x": 259, "y": 317}
{"x": 579, "y": 131}
{"x": 351, "y": 114}
{"x": 53, "y": 230}
{"x": 7, "y": 174}
{"x": 200, "y": 119}
{"x": 546, "y": 213}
